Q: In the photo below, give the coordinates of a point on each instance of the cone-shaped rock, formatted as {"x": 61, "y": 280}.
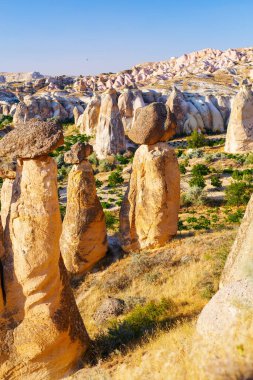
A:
{"x": 126, "y": 109}
{"x": 90, "y": 117}
{"x": 48, "y": 338}
{"x": 83, "y": 239}
{"x": 239, "y": 138}
{"x": 149, "y": 212}
{"x": 110, "y": 137}
{"x": 179, "y": 108}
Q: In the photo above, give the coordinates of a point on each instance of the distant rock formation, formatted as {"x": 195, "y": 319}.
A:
{"x": 110, "y": 136}
{"x": 129, "y": 101}
{"x": 89, "y": 119}
{"x": 42, "y": 333}
{"x": 83, "y": 241}
{"x": 239, "y": 137}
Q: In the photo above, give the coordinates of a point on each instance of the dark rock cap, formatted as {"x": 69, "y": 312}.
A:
{"x": 78, "y": 153}
{"x": 33, "y": 139}
{"x": 150, "y": 124}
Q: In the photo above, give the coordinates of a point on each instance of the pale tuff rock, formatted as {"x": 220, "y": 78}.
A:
{"x": 78, "y": 153}
{"x": 90, "y": 117}
{"x": 217, "y": 120}
{"x": 110, "y": 137}
{"x": 129, "y": 101}
{"x": 48, "y": 337}
{"x": 83, "y": 240}
{"x": 239, "y": 264}
{"x": 33, "y": 139}
{"x": 179, "y": 107}
{"x": 222, "y": 348}
{"x": 2, "y": 295}
{"x": 76, "y": 113}
{"x": 149, "y": 212}
{"x": 152, "y": 124}
{"x": 239, "y": 137}
{"x": 204, "y": 111}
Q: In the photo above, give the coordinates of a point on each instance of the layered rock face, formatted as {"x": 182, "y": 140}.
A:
{"x": 149, "y": 212}
{"x": 239, "y": 137}
{"x": 228, "y": 316}
{"x": 83, "y": 240}
{"x": 110, "y": 137}
{"x": 90, "y": 117}
{"x": 42, "y": 333}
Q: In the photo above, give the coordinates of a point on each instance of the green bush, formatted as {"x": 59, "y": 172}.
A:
{"x": 194, "y": 196}
{"x": 110, "y": 220}
{"x": 215, "y": 181}
{"x": 249, "y": 159}
{"x": 105, "y": 166}
{"x": 69, "y": 141}
{"x": 105, "y": 204}
{"x": 238, "y": 193}
{"x": 5, "y": 120}
{"x": 182, "y": 168}
{"x": 197, "y": 181}
{"x": 122, "y": 160}
{"x": 93, "y": 159}
{"x": 115, "y": 179}
{"x": 201, "y": 223}
{"x": 200, "y": 169}
{"x": 235, "y": 217}
{"x": 196, "y": 140}
{"x": 98, "y": 183}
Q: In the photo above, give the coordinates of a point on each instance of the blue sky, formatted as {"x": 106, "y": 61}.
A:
{"x": 89, "y": 37}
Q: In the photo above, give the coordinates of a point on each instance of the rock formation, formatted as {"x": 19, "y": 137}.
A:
{"x": 110, "y": 137}
{"x": 149, "y": 212}
{"x": 83, "y": 240}
{"x": 239, "y": 264}
{"x": 129, "y": 101}
{"x": 178, "y": 106}
{"x": 42, "y": 333}
{"x": 239, "y": 138}
{"x": 152, "y": 124}
{"x": 225, "y": 325}
{"x": 90, "y": 117}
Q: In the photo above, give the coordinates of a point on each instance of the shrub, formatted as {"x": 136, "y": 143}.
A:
{"x": 182, "y": 168}
{"x": 5, "y": 120}
{"x": 197, "y": 181}
{"x": 105, "y": 166}
{"x": 98, "y": 183}
{"x": 110, "y": 220}
{"x": 196, "y": 140}
{"x": 194, "y": 196}
{"x": 105, "y": 204}
{"x": 201, "y": 223}
{"x": 69, "y": 141}
{"x": 235, "y": 217}
{"x": 200, "y": 169}
{"x": 215, "y": 181}
{"x": 249, "y": 159}
{"x": 238, "y": 193}
{"x": 115, "y": 179}
{"x": 121, "y": 159}
{"x": 93, "y": 159}
{"x": 195, "y": 153}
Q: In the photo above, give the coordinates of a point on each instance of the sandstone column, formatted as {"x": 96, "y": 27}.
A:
{"x": 48, "y": 337}
{"x": 149, "y": 212}
{"x": 83, "y": 239}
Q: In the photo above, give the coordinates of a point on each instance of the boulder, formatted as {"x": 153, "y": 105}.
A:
{"x": 149, "y": 212}
{"x": 33, "y": 139}
{"x": 239, "y": 138}
{"x": 91, "y": 116}
{"x": 151, "y": 125}
{"x": 83, "y": 241}
{"x": 47, "y": 338}
{"x": 110, "y": 308}
{"x": 239, "y": 264}
{"x": 110, "y": 136}
{"x": 78, "y": 153}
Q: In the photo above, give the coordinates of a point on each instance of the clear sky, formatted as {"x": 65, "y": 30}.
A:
{"x": 94, "y": 36}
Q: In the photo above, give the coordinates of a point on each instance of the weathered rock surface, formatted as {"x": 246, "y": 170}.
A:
{"x": 46, "y": 338}
{"x": 223, "y": 345}
{"x": 179, "y": 107}
{"x": 109, "y": 308}
{"x": 125, "y": 103}
{"x": 83, "y": 241}
{"x": 78, "y": 153}
{"x": 239, "y": 264}
{"x": 90, "y": 117}
{"x": 33, "y": 139}
{"x": 151, "y": 125}
{"x": 110, "y": 137}
{"x": 239, "y": 137}
{"x": 149, "y": 212}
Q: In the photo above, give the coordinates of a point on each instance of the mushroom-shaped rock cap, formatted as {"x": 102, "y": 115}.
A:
{"x": 149, "y": 125}
{"x": 78, "y": 153}
{"x": 32, "y": 139}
